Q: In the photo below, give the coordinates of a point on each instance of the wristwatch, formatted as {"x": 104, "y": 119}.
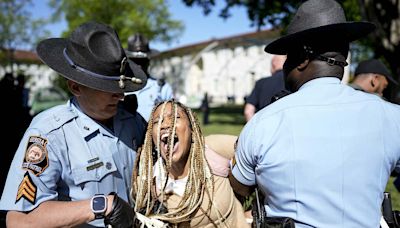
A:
{"x": 99, "y": 205}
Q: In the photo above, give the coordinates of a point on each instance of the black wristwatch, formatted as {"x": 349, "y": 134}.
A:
{"x": 99, "y": 205}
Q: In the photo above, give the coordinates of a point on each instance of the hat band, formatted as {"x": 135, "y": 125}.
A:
{"x": 119, "y": 78}
{"x": 137, "y": 54}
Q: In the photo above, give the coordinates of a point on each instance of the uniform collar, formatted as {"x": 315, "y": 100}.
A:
{"x": 320, "y": 81}
{"x": 87, "y": 125}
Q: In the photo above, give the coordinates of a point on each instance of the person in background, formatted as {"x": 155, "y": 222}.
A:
{"x": 372, "y": 76}
{"x": 323, "y": 155}
{"x": 181, "y": 178}
{"x": 266, "y": 88}
{"x": 24, "y": 117}
{"x": 205, "y": 109}
{"x": 74, "y": 164}
{"x": 156, "y": 90}
{"x": 11, "y": 109}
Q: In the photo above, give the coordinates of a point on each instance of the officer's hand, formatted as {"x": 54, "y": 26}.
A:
{"x": 121, "y": 215}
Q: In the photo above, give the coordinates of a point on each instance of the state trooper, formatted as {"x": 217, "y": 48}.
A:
{"x": 322, "y": 155}
{"x": 372, "y": 76}
{"x": 156, "y": 90}
{"x": 74, "y": 164}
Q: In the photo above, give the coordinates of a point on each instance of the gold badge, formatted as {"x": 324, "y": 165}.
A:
{"x": 36, "y": 157}
{"x": 27, "y": 189}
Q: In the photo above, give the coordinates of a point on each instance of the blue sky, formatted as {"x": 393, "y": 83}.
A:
{"x": 198, "y": 28}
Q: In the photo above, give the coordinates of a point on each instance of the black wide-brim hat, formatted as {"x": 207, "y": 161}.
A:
{"x": 319, "y": 21}
{"x": 93, "y": 56}
{"x": 374, "y": 66}
{"x": 139, "y": 48}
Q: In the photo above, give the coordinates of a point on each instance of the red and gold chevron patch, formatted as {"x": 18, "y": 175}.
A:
{"x": 27, "y": 189}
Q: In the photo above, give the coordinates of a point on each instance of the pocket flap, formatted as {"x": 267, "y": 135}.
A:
{"x": 94, "y": 171}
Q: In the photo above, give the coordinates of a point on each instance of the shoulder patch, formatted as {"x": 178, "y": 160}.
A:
{"x": 27, "y": 189}
{"x": 36, "y": 158}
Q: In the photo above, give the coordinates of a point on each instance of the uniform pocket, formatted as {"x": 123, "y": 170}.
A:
{"x": 94, "y": 171}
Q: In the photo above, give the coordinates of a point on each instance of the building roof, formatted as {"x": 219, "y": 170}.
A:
{"x": 22, "y": 56}
{"x": 247, "y": 39}
{"x": 28, "y": 56}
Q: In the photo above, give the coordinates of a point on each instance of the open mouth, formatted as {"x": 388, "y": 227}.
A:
{"x": 165, "y": 139}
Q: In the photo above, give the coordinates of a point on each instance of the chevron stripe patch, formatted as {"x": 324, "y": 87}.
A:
{"x": 27, "y": 189}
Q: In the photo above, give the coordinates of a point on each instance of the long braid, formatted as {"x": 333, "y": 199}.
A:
{"x": 199, "y": 180}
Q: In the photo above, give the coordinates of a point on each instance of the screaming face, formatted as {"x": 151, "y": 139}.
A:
{"x": 172, "y": 134}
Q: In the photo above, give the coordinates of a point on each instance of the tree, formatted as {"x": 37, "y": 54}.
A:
{"x": 17, "y": 28}
{"x": 149, "y": 17}
{"x": 383, "y": 43}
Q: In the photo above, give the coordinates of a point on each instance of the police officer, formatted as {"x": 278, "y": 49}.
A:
{"x": 372, "y": 76}
{"x": 156, "y": 90}
{"x": 74, "y": 163}
{"x": 266, "y": 88}
{"x": 322, "y": 156}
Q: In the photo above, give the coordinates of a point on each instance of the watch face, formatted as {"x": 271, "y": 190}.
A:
{"x": 99, "y": 204}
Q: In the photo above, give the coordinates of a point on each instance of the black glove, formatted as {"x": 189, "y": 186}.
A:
{"x": 121, "y": 215}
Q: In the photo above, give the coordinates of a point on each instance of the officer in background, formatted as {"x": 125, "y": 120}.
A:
{"x": 372, "y": 76}
{"x": 322, "y": 155}
{"x": 266, "y": 88}
{"x": 75, "y": 158}
{"x": 156, "y": 90}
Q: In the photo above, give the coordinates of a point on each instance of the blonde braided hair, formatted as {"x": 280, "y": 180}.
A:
{"x": 199, "y": 181}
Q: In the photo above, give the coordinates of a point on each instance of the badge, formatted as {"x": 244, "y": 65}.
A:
{"x": 27, "y": 189}
{"x": 36, "y": 157}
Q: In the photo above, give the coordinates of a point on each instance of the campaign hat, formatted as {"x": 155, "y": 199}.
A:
{"x": 374, "y": 66}
{"x": 138, "y": 47}
{"x": 319, "y": 21}
{"x": 93, "y": 56}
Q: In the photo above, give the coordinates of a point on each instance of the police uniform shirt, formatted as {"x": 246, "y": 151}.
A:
{"x": 323, "y": 155}
{"x": 151, "y": 95}
{"x": 67, "y": 156}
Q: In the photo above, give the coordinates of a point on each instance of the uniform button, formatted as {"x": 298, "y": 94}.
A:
{"x": 97, "y": 176}
{"x": 108, "y": 165}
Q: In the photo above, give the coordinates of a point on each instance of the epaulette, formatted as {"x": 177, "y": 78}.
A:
{"x": 53, "y": 118}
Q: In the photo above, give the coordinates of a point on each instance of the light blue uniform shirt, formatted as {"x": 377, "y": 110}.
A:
{"x": 322, "y": 155}
{"x": 150, "y": 95}
{"x": 83, "y": 159}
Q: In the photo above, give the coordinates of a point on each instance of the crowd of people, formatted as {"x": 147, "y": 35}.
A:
{"x": 123, "y": 152}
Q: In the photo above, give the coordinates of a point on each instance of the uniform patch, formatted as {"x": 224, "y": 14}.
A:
{"x": 27, "y": 189}
{"x": 36, "y": 158}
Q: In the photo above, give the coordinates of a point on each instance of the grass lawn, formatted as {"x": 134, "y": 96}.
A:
{"x": 230, "y": 120}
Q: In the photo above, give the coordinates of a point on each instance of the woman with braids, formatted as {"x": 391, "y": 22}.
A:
{"x": 173, "y": 184}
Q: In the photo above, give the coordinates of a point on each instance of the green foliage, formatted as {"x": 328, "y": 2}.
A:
{"x": 149, "y": 17}
{"x": 226, "y": 119}
{"x": 17, "y": 28}
{"x": 394, "y": 194}
{"x": 382, "y": 43}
